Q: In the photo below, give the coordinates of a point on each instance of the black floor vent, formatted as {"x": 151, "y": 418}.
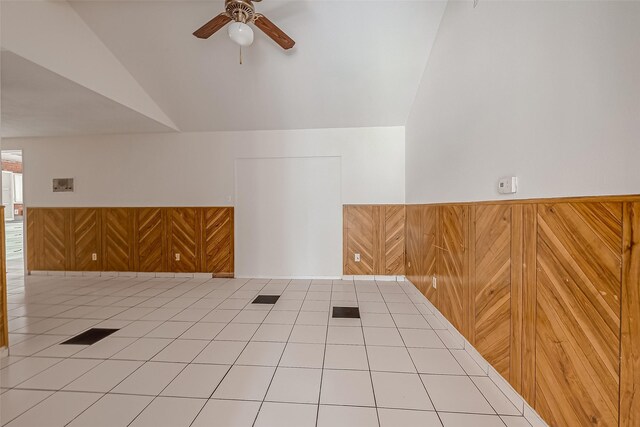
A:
{"x": 346, "y": 313}
{"x": 266, "y": 299}
{"x": 90, "y": 336}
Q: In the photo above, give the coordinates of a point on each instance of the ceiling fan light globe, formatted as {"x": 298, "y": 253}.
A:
{"x": 240, "y": 33}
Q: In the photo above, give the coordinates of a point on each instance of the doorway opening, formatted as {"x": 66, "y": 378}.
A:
{"x": 12, "y": 199}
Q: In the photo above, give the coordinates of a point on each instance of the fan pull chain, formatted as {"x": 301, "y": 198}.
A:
{"x": 240, "y": 55}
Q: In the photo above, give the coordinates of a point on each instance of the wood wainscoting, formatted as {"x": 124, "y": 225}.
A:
{"x": 630, "y": 330}
{"x": 548, "y": 291}
{"x": 377, "y": 233}
{"x": 131, "y": 239}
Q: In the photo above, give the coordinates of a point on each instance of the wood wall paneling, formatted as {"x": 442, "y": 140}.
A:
{"x": 377, "y": 233}
{"x": 430, "y": 219}
{"x": 529, "y": 302}
{"x": 218, "y": 237}
{"x": 554, "y": 297}
{"x": 359, "y": 235}
{"x": 131, "y": 239}
{"x": 118, "y": 245}
{"x": 548, "y": 292}
{"x": 33, "y": 225}
{"x": 85, "y": 240}
{"x": 55, "y": 252}
{"x": 422, "y": 247}
{"x": 492, "y": 285}
{"x": 414, "y": 246}
{"x": 378, "y": 239}
{"x": 184, "y": 235}
{"x": 453, "y": 279}
{"x": 578, "y": 313}
{"x": 517, "y": 281}
{"x": 496, "y": 286}
{"x": 470, "y": 303}
{"x": 630, "y": 331}
{"x": 152, "y": 244}
{"x": 394, "y": 222}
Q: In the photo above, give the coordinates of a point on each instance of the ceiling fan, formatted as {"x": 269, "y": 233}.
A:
{"x": 242, "y": 12}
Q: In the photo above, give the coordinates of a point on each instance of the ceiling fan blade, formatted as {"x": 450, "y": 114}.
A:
{"x": 212, "y": 26}
{"x": 275, "y": 33}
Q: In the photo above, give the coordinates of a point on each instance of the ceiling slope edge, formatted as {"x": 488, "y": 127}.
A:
{"x": 59, "y": 40}
{"x": 426, "y": 64}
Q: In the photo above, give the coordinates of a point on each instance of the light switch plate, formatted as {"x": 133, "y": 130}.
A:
{"x": 356, "y": 257}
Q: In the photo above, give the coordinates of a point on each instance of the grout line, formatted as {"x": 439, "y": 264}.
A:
{"x": 182, "y": 370}
{"x": 324, "y": 354}
{"x": 129, "y": 375}
{"x": 366, "y": 352}
{"x": 87, "y": 287}
{"x": 275, "y": 370}
{"x": 104, "y": 360}
{"x": 464, "y": 348}
{"x": 411, "y": 357}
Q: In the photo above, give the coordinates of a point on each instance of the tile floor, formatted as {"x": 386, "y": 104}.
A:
{"x": 196, "y": 352}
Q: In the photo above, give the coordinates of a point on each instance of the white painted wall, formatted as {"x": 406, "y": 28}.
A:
{"x": 546, "y": 90}
{"x": 197, "y": 169}
{"x": 288, "y": 217}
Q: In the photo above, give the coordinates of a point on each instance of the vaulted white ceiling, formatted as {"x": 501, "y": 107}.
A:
{"x": 39, "y": 102}
{"x": 356, "y": 62}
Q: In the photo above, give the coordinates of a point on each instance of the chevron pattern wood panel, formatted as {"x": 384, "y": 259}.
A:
{"x": 453, "y": 289}
{"x": 131, "y": 239}
{"x": 55, "y": 234}
{"x": 184, "y": 237}
{"x": 377, "y": 233}
{"x": 578, "y": 313}
{"x": 630, "y": 348}
{"x": 430, "y": 236}
{"x": 422, "y": 248}
{"x": 152, "y": 247}
{"x": 118, "y": 253}
{"x": 574, "y": 269}
{"x": 529, "y": 258}
{"x": 86, "y": 239}
{"x": 218, "y": 232}
{"x": 492, "y": 285}
{"x": 414, "y": 246}
{"x": 516, "y": 295}
{"x": 359, "y": 234}
{"x": 394, "y": 220}
{"x": 33, "y": 235}
{"x": 574, "y": 292}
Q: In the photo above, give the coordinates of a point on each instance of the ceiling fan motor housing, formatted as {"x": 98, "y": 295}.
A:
{"x": 240, "y": 10}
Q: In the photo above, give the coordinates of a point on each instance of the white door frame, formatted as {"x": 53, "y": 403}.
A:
{"x": 7, "y": 178}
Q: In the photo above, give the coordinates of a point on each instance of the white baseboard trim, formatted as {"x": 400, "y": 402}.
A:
{"x": 454, "y": 339}
{"x": 130, "y": 274}
{"x": 391, "y": 278}
{"x": 290, "y": 277}
{"x": 362, "y": 278}
{"x": 165, "y": 275}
